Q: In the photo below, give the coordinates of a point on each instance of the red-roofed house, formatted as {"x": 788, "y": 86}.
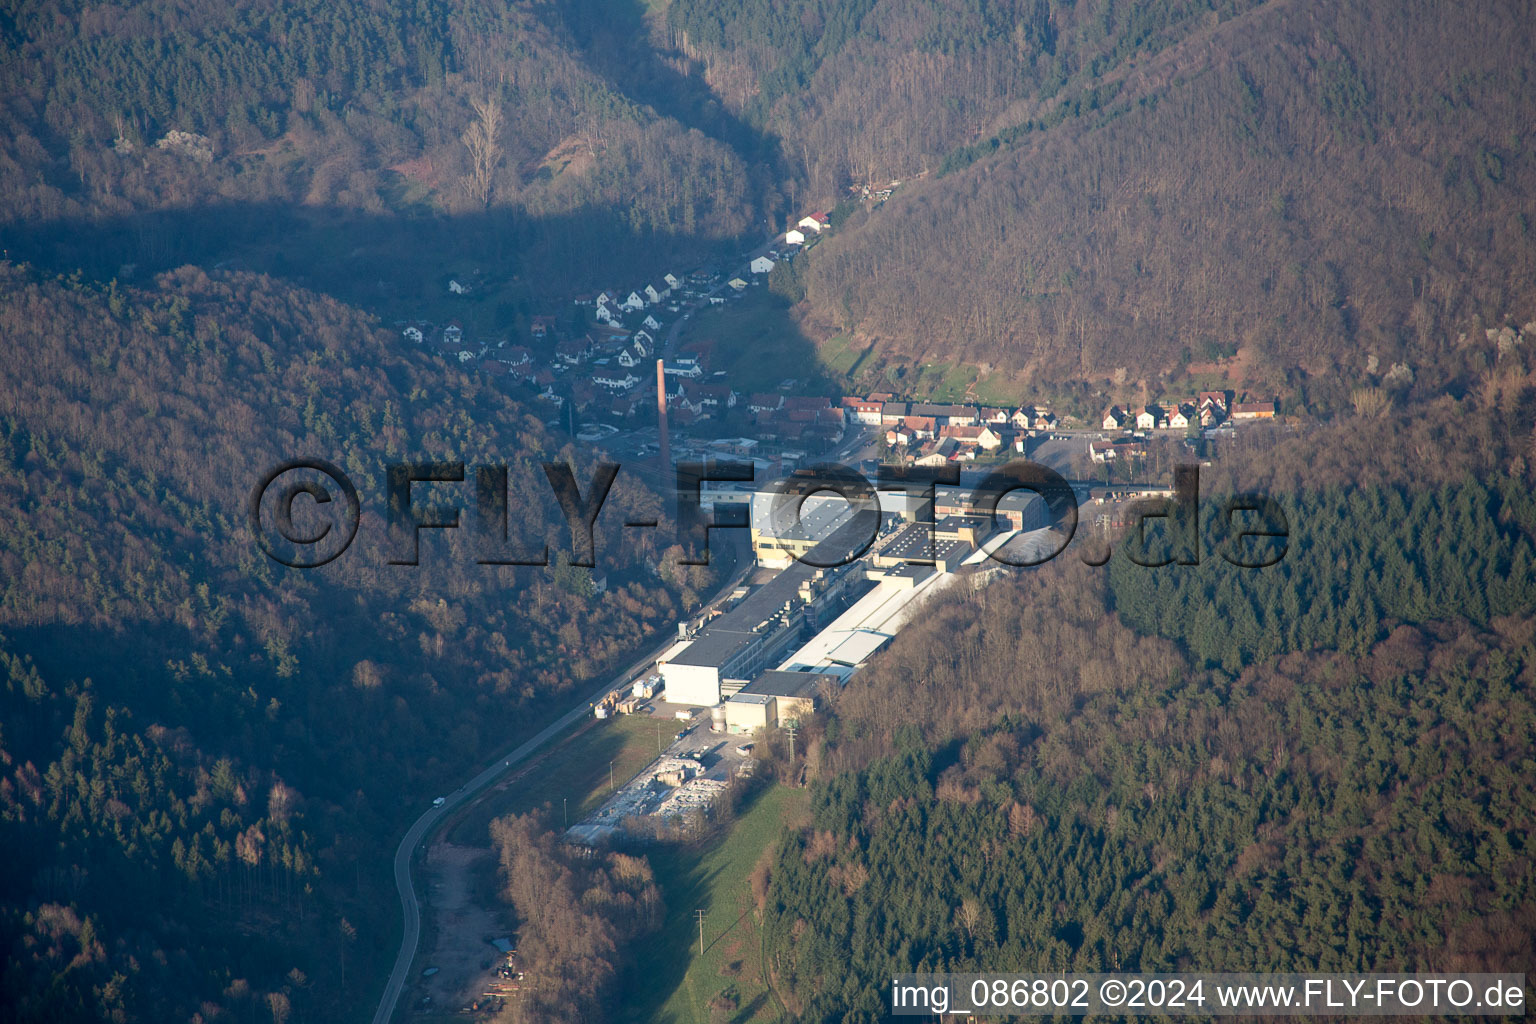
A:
{"x": 982, "y": 437}
{"x": 863, "y": 411}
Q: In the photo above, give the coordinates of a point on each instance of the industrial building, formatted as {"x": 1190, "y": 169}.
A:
{"x": 770, "y": 627}
{"x": 920, "y": 544}
{"x": 768, "y": 623}
{"x": 786, "y": 528}
{"x": 774, "y": 698}
{"x": 1019, "y": 509}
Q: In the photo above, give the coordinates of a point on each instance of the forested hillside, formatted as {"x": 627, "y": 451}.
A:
{"x": 1316, "y": 764}
{"x": 1089, "y": 190}
{"x": 204, "y": 753}
{"x": 374, "y": 119}
{"x": 1110, "y": 186}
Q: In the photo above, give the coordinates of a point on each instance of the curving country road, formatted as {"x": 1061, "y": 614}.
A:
{"x": 405, "y": 853}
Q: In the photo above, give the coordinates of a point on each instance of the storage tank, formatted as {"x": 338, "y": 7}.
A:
{"x": 717, "y": 718}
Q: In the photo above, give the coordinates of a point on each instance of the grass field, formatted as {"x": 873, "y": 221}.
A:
{"x": 757, "y": 342}
{"x": 672, "y": 983}
{"x": 575, "y": 766}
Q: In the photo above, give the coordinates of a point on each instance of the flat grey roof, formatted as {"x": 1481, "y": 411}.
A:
{"x": 713, "y": 647}
{"x": 723, "y": 638}
{"x": 913, "y": 542}
{"x": 778, "y": 683}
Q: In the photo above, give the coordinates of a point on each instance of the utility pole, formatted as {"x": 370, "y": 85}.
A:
{"x": 564, "y": 813}
{"x": 700, "y": 915}
{"x": 610, "y": 776}
{"x": 790, "y": 728}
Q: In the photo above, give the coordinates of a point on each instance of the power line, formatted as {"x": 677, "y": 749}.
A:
{"x": 700, "y": 915}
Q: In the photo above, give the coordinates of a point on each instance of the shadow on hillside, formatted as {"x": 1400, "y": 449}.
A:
{"x": 362, "y": 257}
{"x": 399, "y": 266}
{"x": 616, "y": 41}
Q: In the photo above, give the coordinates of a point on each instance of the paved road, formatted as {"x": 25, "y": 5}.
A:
{"x": 434, "y": 816}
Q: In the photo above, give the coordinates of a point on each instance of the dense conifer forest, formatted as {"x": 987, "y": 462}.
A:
{"x": 1322, "y": 764}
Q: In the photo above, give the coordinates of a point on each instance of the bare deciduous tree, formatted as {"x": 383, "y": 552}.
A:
{"x": 483, "y": 140}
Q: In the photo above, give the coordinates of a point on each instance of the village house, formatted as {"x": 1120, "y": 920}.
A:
{"x": 765, "y": 401}
{"x": 704, "y": 400}
{"x": 921, "y": 427}
{"x": 672, "y": 281}
{"x": 412, "y": 334}
{"x": 1114, "y": 418}
{"x": 513, "y": 355}
{"x": 650, "y": 323}
{"x": 861, "y": 410}
{"x": 761, "y": 265}
{"x": 655, "y": 294}
{"x": 1022, "y": 419}
{"x": 1113, "y": 451}
{"x": 816, "y": 222}
{"x": 942, "y": 454}
{"x": 982, "y": 437}
{"x": 1180, "y": 419}
{"x": 541, "y": 326}
{"x": 892, "y": 413}
{"x": 736, "y": 284}
{"x": 1254, "y": 410}
{"x": 794, "y": 236}
{"x": 625, "y": 404}
{"x": 685, "y": 365}
{"x": 616, "y": 379}
{"x": 453, "y": 334}
{"x": 993, "y": 417}
{"x": 1218, "y": 399}
{"x": 572, "y": 352}
{"x": 1147, "y": 418}
{"x": 811, "y": 403}
{"x": 946, "y": 415}
{"x": 635, "y": 353}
